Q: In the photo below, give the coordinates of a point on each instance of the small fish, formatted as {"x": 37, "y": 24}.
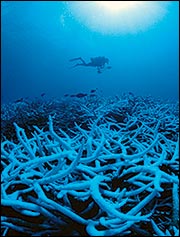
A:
{"x": 130, "y": 93}
{"x": 108, "y": 67}
{"x": 66, "y": 95}
{"x": 117, "y": 97}
{"x": 80, "y": 95}
{"x": 19, "y": 100}
{"x": 92, "y": 91}
{"x": 43, "y": 94}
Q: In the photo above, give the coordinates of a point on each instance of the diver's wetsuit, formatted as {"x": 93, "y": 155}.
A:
{"x": 98, "y": 62}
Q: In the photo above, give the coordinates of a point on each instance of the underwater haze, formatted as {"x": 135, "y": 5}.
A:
{"x": 38, "y": 38}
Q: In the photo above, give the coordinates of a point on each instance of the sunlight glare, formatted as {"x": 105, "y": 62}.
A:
{"x": 118, "y": 17}
{"x": 117, "y": 6}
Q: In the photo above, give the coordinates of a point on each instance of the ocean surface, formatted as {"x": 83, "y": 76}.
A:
{"x": 38, "y": 38}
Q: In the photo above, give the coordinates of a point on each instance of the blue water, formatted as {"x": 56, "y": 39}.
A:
{"x": 37, "y": 45}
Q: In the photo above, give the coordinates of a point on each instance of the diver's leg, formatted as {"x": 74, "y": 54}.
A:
{"x": 82, "y": 60}
{"x": 74, "y": 59}
{"x": 78, "y": 64}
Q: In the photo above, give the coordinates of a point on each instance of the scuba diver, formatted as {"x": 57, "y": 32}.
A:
{"x": 98, "y": 62}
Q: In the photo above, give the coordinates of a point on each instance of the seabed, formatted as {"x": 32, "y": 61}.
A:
{"x": 90, "y": 166}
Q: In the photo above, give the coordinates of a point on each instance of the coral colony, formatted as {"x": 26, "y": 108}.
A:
{"x": 88, "y": 166}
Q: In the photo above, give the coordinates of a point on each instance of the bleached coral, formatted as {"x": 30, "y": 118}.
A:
{"x": 118, "y": 177}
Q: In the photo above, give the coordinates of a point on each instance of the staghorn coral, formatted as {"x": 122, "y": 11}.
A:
{"x": 111, "y": 177}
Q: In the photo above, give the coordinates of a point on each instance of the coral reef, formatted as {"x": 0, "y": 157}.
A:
{"x": 90, "y": 167}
